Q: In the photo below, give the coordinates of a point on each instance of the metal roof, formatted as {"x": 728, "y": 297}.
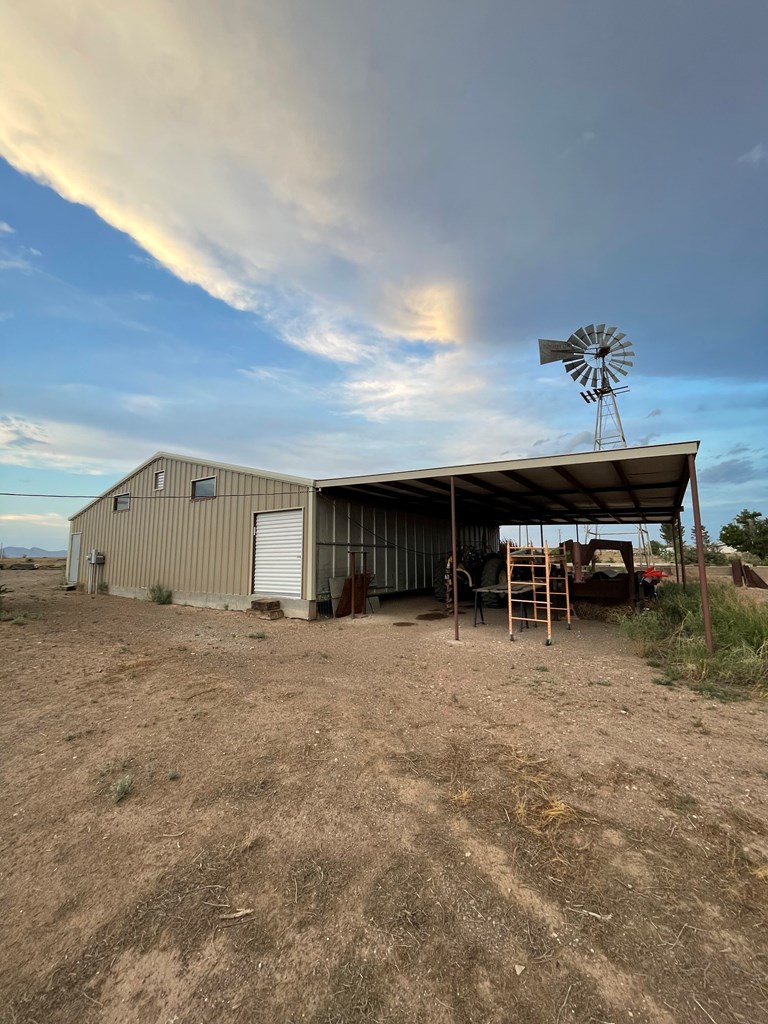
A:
{"x": 625, "y": 486}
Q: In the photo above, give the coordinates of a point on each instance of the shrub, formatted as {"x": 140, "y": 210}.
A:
{"x": 121, "y": 787}
{"x": 160, "y": 594}
{"x": 672, "y": 632}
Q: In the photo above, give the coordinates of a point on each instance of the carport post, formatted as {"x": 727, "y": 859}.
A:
{"x": 681, "y": 549}
{"x": 674, "y": 550}
{"x": 700, "y": 555}
{"x": 454, "y": 555}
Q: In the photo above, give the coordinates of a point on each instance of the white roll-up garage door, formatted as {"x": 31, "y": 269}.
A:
{"x": 278, "y": 550}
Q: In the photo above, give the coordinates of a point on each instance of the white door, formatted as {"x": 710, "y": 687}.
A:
{"x": 74, "y": 558}
{"x": 278, "y": 553}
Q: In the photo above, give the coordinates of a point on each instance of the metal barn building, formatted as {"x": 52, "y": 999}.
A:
{"x": 218, "y": 535}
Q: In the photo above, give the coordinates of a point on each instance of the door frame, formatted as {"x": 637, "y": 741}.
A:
{"x": 75, "y": 581}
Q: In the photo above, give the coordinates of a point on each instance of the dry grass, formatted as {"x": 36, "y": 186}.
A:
{"x": 595, "y": 612}
{"x": 463, "y": 798}
{"x": 538, "y": 815}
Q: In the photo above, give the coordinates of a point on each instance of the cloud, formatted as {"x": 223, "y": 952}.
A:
{"x": 317, "y": 334}
{"x": 143, "y": 404}
{"x": 55, "y": 444}
{"x": 5, "y": 315}
{"x": 435, "y": 388}
{"x": 292, "y": 382}
{"x": 46, "y": 520}
{"x": 20, "y": 433}
{"x": 585, "y": 439}
{"x": 6, "y": 229}
{"x": 730, "y": 471}
{"x": 653, "y": 412}
{"x": 16, "y": 263}
{"x": 756, "y": 156}
{"x": 351, "y": 202}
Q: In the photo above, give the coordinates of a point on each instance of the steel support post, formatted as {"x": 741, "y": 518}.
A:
{"x": 454, "y": 560}
{"x": 674, "y": 551}
{"x": 681, "y": 549}
{"x": 700, "y": 555}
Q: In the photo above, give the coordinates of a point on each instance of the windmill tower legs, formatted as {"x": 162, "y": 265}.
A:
{"x": 609, "y": 433}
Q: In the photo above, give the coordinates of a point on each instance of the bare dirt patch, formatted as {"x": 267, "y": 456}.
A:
{"x": 338, "y": 822}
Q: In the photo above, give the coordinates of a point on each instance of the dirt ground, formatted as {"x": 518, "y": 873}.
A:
{"x": 353, "y": 822}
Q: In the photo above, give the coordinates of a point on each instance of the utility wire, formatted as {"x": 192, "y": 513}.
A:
{"x": 160, "y": 497}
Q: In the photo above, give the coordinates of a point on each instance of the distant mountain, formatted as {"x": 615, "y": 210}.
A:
{"x": 32, "y": 553}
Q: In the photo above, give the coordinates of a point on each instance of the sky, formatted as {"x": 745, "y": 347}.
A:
{"x": 324, "y": 238}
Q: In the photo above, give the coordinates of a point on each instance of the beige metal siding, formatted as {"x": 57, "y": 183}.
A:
{"x": 402, "y": 547}
{"x": 203, "y": 546}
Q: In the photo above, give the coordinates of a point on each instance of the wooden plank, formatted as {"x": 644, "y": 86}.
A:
{"x": 344, "y": 607}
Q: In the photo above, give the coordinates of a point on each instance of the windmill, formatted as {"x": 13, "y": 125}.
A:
{"x": 598, "y": 357}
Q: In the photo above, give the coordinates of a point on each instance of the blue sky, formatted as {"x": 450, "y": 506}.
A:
{"x": 324, "y": 238}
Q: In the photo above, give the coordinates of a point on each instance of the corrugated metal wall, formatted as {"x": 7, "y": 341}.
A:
{"x": 402, "y": 547}
{"x": 202, "y": 547}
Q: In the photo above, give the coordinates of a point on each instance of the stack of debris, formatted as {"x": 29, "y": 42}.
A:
{"x": 267, "y": 608}
{"x": 745, "y": 575}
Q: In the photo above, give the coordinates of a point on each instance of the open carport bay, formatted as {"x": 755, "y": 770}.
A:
{"x": 358, "y": 821}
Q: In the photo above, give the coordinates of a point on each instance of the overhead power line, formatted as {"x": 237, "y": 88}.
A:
{"x": 162, "y": 496}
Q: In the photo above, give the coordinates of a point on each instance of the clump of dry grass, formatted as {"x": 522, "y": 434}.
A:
{"x": 251, "y": 839}
{"x": 498, "y": 783}
{"x": 540, "y": 815}
{"x": 602, "y": 612}
{"x": 461, "y": 798}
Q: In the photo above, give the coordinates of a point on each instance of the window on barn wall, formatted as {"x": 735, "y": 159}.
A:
{"x": 160, "y": 480}
{"x": 205, "y": 488}
{"x": 121, "y": 503}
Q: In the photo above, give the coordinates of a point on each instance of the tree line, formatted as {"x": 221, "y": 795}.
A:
{"x": 747, "y": 533}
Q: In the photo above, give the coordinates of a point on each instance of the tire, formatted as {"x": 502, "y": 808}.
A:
{"x": 438, "y": 579}
{"x": 494, "y": 572}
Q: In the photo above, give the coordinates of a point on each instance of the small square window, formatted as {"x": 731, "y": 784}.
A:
{"x": 160, "y": 480}
{"x": 204, "y": 488}
{"x": 121, "y": 503}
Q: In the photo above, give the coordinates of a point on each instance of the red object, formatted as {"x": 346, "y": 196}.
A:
{"x": 654, "y": 574}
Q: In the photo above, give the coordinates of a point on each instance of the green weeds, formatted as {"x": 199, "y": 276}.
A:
{"x": 160, "y": 594}
{"x": 121, "y": 788}
{"x": 671, "y": 635}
